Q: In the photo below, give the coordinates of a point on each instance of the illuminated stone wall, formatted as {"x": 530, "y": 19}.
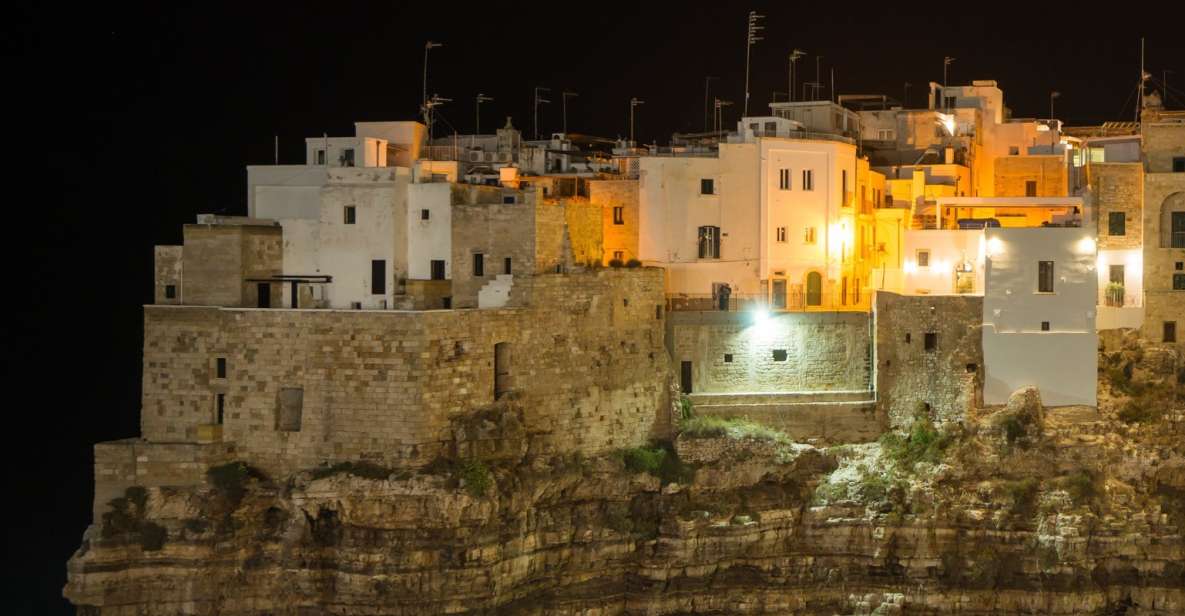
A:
{"x": 623, "y": 238}
{"x": 1012, "y": 173}
{"x": 1118, "y": 188}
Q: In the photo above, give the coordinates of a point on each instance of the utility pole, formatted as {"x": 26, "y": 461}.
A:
{"x": 946, "y": 62}
{"x": 751, "y": 38}
{"x": 832, "y": 98}
{"x": 276, "y": 151}
{"x": 538, "y": 100}
{"x": 1052, "y": 95}
{"x": 707, "y": 88}
{"x": 794, "y": 57}
{"x": 564, "y": 102}
{"x": 634, "y": 102}
{"x": 428, "y": 46}
{"x": 481, "y": 98}
{"x": 1140, "y": 84}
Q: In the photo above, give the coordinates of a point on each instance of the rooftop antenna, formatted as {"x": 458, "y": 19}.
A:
{"x": 538, "y": 100}
{"x": 434, "y": 102}
{"x": 564, "y": 103}
{"x": 428, "y": 46}
{"x": 481, "y": 98}
{"x": 818, "y": 83}
{"x": 634, "y": 102}
{"x": 795, "y": 56}
{"x": 946, "y": 62}
{"x": 832, "y": 97}
{"x": 718, "y": 116}
{"x": 752, "y": 38}
{"x": 707, "y": 88}
{"x": 1140, "y": 84}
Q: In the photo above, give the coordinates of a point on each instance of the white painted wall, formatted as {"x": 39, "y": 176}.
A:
{"x": 368, "y": 151}
{"x": 948, "y": 249}
{"x": 1061, "y": 362}
{"x": 285, "y": 191}
{"x": 429, "y": 239}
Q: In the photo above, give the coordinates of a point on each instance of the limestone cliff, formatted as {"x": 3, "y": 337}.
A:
{"x": 1013, "y": 510}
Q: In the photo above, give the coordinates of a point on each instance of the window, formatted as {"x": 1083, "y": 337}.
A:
{"x": 856, "y": 291}
{"x": 809, "y": 236}
{"x": 508, "y": 199}
{"x": 843, "y": 294}
{"x": 1116, "y": 274}
{"x": 931, "y": 341}
{"x": 437, "y": 267}
{"x": 658, "y": 312}
{"x": 320, "y": 157}
{"x": 618, "y": 255}
{"x": 219, "y": 408}
{"x": 728, "y": 358}
{"x": 1179, "y": 282}
{"x": 1116, "y": 223}
{"x": 707, "y": 186}
{"x": 1179, "y": 164}
{"x": 1044, "y": 326}
{"x": 502, "y": 383}
{"x": 378, "y": 277}
{"x": 289, "y": 408}
{"x": 950, "y": 101}
{"x": 782, "y": 234}
{"x": 170, "y": 291}
{"x": 779, "y": 354}
{"x": 1045, "y": 276}
{"x": 1177, "y": 225}
{"x": 844, "y": 179}
{"x": 709, "y": 242}
{"x": 350, "y": 215}
{"x": 907, "y": 338}
{"x": 506, "y": 265}
{"x": 446, "y": 302}
{"x": 885, "y": 134}
{"x": 479, "y": 264}
{"x": 1030, "y": 188}
{"x": 1013, "y": 150}
{"x": 220, "y": 368}
{"x": 1170, "y": 331}
{"x": 923, "y": 258}
{"x": 784, "y": 179}
{"x": 425, "y": 214}
{"x": 808, "y": 179}
{"x": 619, "y": 215}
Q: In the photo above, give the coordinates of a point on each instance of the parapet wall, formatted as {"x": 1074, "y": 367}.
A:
{"x": 945, "y": 374}
{"x": 585, "y": 362}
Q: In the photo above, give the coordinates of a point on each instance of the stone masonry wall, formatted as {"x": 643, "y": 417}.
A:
{"x": 1118, "y": 187}
{"x": 948, "y": 378}
{"x": 1163, "y": 192}
{"x": 732, "y": 353}
{"x": 584, "y": 231}
{"x": 587, "y": 367}
{"x": 623, "y": 238}
{"x": 497, "y": 231}
{"x": 1012, "y": 172}
{"x": 167, "y": 271}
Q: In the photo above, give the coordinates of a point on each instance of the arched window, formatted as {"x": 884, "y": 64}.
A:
{"x": 1172, "y": 221}
{"x": 814, "y": 289}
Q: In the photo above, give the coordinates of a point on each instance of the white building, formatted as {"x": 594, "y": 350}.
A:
{"x": 1039, "y": 314}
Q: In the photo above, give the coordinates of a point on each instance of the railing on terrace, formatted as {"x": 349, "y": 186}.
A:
{"x": 1118, "y": 297}
{"x": 795, "y": 301}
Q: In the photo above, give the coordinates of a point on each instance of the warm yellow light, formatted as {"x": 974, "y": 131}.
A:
{"x": 1087, "y": 246}
{"x": 910, "y": 266}
{"x": 995, "y": 247}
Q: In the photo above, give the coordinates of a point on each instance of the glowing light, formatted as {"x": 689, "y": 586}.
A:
{"x": 1087, "y": 246}
{"x": 948, "y": 123}
{"x": 760, "y": 315}
{"x": 911, "y": 267}
{"x": 995, "y": 247}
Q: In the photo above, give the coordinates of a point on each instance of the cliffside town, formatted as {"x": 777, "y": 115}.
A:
{"x": 848, "y": 358}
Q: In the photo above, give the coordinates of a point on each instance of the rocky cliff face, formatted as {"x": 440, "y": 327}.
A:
{"x": 1016, "y": 510}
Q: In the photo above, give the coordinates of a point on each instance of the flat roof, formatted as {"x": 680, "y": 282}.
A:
{"x": 1008, "y": 201}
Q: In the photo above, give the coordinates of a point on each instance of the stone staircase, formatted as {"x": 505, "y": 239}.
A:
{"x": 495, "y": 293}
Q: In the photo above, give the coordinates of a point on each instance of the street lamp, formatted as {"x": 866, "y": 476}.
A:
{"x": 565, "y": 105}
{"x": 795, "y": 56}
{"x": 424, "y": 99}
{"x": 538, "y": 100}
{"x": 634, "y": 102}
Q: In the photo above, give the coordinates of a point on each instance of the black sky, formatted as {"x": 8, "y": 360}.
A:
{"x": 131, "y": 119}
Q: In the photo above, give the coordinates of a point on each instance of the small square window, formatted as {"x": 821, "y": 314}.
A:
{"x": 1179, "y": 282}
{"x": 931, "y": 341}
{"x": 356, "y": 305}
{"x": 425, "y": 214}
{"x": 1116, "y": 223}
{"x": 1030, "y": 188}
{"x": 1179, "y": 164}
{"x": 1044, "y": 326}
{"x": 508, "y": 199}
{"x": 220, "y": 367}
{"x": 707, "y": 186}
{"x": 923, "y": 258}
{"x": 907, "y": 338}
{"x": 351, "y": 215}
{"x": 1013, "y": 150}
{"x": 1170, "y": 331}
{"x": 1179, "y": 265}
{"x": 779, "y": 354}
{"x": 171, "y": 291}
{"x": 728, "y": 358}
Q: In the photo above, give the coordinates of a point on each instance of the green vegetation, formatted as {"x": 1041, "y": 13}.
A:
{"x": 126, "y": 518}
{"x": 230, "y": 480}
{"x": 366, "y": 470}
{"x": 659, "y": 460}
{"x": 923, "y": 443}
{"x": 1082, "y": 486}
{"x": 1023, "y": 494}
{"x": 475, "y": 476}
{"x": 615, "y": 263}
{"x": 686, "y": 407}
{"x": 1014, "y": 429}
{"x": 708, "y": 426}
{"x": 1147, "y": 404}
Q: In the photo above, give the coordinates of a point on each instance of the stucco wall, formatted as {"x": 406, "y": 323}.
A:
{"x": 587, "y": 364}
{"x": 430, "y": 239}
{"x": 948, "y": 377}
{"x": 825, "y": 351}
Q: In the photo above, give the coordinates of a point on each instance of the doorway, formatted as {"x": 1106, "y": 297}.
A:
{"x": 814, "y": 289}
{"x": 685, "y": 377}
{"x": 501, "y": 369}
{"x": 779, "y": 294}
{"x": 263, "y": 295}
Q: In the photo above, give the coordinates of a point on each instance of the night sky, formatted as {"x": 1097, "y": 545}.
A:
{"x": 132, "y": 119}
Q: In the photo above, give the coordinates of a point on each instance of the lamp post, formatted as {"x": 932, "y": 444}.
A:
{"x": 634, "y": 102}
{"x": 946, "y": 62}
{"x": 751, "y": 38}
{"x": 707, "y": 88}
{"x": 428, "y": 46}
{"x": 538, "y": 100}
{"x": 565, "y": 96}
{"x": 795, "y": 56}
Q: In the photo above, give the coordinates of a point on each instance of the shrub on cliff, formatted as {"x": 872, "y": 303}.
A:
{"x": 127, "y": 518}
{"x": 708, "y": 426}
{"x": 659, "y": 460}
{"x": 366, "y": 470}
{"x": 230, "y": 480}
{"x": 923, "y": 443}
